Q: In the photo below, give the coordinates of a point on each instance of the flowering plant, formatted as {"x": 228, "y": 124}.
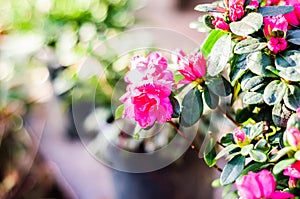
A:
{"x": 251, "y": 58}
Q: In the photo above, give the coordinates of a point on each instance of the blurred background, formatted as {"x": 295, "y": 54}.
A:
{"x": 43, "y": 46}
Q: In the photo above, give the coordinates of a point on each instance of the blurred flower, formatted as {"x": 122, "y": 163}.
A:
{"x": 259, "y": 185}
{"x": 192, "y": 67}
{"x": 275, "y": 23}
{"x": 148, "y": 90}
{"x": 277, "y": 44}
{"x": 293, "y": 137}
{"x": 298, "y": 113}
{"x": 219, "y": 23}
{"x": 293, "y": 17}
{"x": 236, "y": 9}
{"x": 240, "y": 137}
{"x": 293, "y": 171}
{"x": 272, "y": 2}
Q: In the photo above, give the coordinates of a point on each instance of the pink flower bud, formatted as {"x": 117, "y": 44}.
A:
{"x": 219, "y": 23}
{"x": 239, "y": 135}
{"x": 274, "y": 23}
{"x": 293, "y": 137}
{"x": 254, "y": 4}
{"x": 277, "y": 44}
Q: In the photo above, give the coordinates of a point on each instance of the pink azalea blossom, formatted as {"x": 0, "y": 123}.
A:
{"x": 272, "y": 2}
{"x": 293, "y": 171}
{"x": 277, "y": 44}
{"x": 219, "y": 23}
{"x": 293, "y": 17}
{"x": 293, "y": 137}
{"x": 298, "y": 113}
{"x": 236, "y": 9}
{"x": 260, "y": 185}
{"x": 147, "y": 94}
{"x": 192, "y": 67}
{"x": 275, "y": 23}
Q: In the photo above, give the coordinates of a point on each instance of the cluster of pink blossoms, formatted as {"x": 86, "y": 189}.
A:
{"x": 147, "y": 94}
{"x": 260, "y": 185}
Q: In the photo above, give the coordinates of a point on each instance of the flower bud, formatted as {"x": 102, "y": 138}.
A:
{"x": 293, "y": 137}
{"x": 240, "y": 137}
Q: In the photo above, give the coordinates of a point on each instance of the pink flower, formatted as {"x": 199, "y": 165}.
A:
{"x": 192, "y": 67}
{"x": 298, "y": 113}
{"x": 260, "y": 185}
{"x": 236, "y": 9}
{"x": 147, "y": 94}
{"x": 277, "y": 44}
{"x": 219, "y": 23}
{"x": 293, "y": 137}
{"x": 293, "y": 171}
{"x": 275, "y": 23}
{"x": 254, "y": 4}
{"x": 293, "y": 17}
{"x": 272, "y": 2}
{"x": 239, "y": 135}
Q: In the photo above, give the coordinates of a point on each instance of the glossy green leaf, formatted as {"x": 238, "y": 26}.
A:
{"x": 274, "y": 92}
{"x": 238, "y": 68}
{"x": 293, "y": 36}
{"x": 219, "y": 57}
{"x": 253, "y": 98}
{"x": 258, "y": 155}
{"x": 232, "y": 170}
{"x": 248, "y": 25}
{"x": 119, "y": 112}
{"x": 258, "y": 62}
{"x": 256, "y": 130}
{"x": 249, "y": 45}
{"x": 275, "y": 10}
{"x": 292, "y": 97}
{"x": 219, "y": 86}
{"x": 255, "y": 167}
{"x": 250, "y": 82}
{"x": 192, "y": 108}
{"x": 280, "y": 114}
{"x": 246, "y": 149}
{"x": 226, "y": 150}
{"x": 211, "y": 99}
{"x": 175, "y": 106}
{"x": 210, "y": 41}
{"x": 280, "y": 166}
{"x": 287, "y": 63}
{"x": 210, "y": 153}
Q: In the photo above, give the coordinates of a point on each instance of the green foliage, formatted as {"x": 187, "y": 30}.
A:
{"x": 232, "y": 170}
{"x": 248, "y": 25}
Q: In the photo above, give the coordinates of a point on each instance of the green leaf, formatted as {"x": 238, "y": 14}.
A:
{"x": 258, "y": 155}
{"x": 248, "y": 25}
{"x": 280, "y": 115}
{"x": 210, "y": 153}
{"x": 249, "y": 45}
{"x": 227, "y": 139}
{"x": 219, "y": 57}
{"x": 216, "y": 183}
{"x": 291, "y": 98}
{"x": 275, "y": 10}
{"x": 226, "y": 150}
{"x": 246, "y": 149}
{"x": 256, "y": 130}
{"x": 192, "y": 108}
{"x": 293, "y": 36}
{"x": 274, "y": 92}
{"x": 119, "y": 112}
{"x": 211, "y": 99}
{"x": 232, "y": 170}
{"x": 210, "y": 41}
{"x": 280, "y": 166}
{"x": 219, "y": 86}
{"x": 249, "y": 81}
{"x": 175, "y": 106}
{"x": 287, "y": 63}
{"x": 243, "y": 115}
{"x": 297, "y": 155}
{"x": 238, "y": 68}
{"x": 262, "y": 144}
{"x": 258, "y": 62}
{"x": 255, "y": 167}
{"x": 253, "y": 98}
